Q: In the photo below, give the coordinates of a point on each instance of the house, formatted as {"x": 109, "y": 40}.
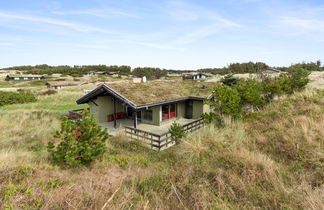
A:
{"x": 139, "y": 79}
{"x": 113, "y": 74}
{"x": 194, "y": 76}
{"x": 61, "y": 84}
{"x": 148, "y": 108}
{"x": 25, "y": 77}
{"x": 271, "y": 71}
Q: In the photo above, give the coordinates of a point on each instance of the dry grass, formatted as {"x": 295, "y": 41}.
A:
{"x": 157, "y": 91}
{"x": 250, "y": 164}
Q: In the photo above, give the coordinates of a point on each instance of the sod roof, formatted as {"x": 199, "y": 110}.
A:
{"x": 159, "y": 91}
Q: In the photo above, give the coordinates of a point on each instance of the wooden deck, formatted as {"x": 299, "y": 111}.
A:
{"x": 160, "y": 141}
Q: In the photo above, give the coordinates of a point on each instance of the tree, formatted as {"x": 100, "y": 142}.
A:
{"x": 250, "y": 91}
{"x": 227, "y": 101}
{"x": 229, "y": 80}
{"x": 150, "y": 73}
{"x": 177, "y": 131}
{"x": 81, "y": 142}
{"x": 299, "y": 78}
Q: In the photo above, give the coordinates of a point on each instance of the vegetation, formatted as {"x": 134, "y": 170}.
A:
{"x": 149, "y": 73}
{"x": 177, "y": 132}
{"x": 80, "y": 142}
{"x": 311, "y": 66}
{"x": 273, "y": 159}
{"x": 228, "y": 101}
{"x": 49, "y": 92}
{"x": 251, "y": 92}
{"x": 70, "y": 70}
{"x": 156, "y": 73}
{"x": 263, "y": 162}
{"x": 247, "y": 94}
{"x": 238, "y": 68}
{"x": 16, "y": 98}
{"x": 258, "y": 67}
{"x": 157, "y": 91}
{"x": 229, "y": 80}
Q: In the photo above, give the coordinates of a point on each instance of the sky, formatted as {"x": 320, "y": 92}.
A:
{"x": 172, "y": 34}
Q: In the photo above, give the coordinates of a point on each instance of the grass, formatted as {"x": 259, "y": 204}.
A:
{"x": 58, "y": 103}
{"x": 271, "y": 160}
{"x": 157, "y": 91}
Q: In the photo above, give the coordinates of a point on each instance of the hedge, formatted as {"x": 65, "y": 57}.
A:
{"x": 7, "y": 98}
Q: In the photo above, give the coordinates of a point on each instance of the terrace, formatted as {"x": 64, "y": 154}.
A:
{"x": 158, "y": 130}
{"x": 157, "y": 137}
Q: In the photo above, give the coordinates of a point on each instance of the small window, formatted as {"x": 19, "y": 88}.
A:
{"x": 148, "y": 115}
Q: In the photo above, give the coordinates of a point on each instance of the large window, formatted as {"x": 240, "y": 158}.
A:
{"x": 147, "y": 115}
{"x": 165, "y": 112}
{"x": 172, "y": 110}
{"x": 169, "y": 111}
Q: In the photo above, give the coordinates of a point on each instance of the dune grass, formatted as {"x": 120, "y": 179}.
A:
{"x": 273, "y": 159}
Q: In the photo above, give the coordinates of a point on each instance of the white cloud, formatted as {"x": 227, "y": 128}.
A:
{"x": 146, "y": 44}
{"x": 6, "y": 44}
{"x": 204, "y": 22}
{"x": 110, "y": 12}
{"x": 51, "y": 21}
{"x": 304, "y": 21}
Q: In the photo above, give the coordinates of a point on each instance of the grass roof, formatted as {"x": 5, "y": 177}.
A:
{"x": 65, "y": 83}
{"x": 159, "y": 91}
{"x": 23, "y": 75}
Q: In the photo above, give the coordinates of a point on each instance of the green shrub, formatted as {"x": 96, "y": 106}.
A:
{"x": 299, "y": 78}
{"x": 177, "y": 131}
{"x": 229, "y": 80}
{"x": 7, "y": 98}
{"x": 227, "y": 101}
{"x": 251, "y": 92}
{"x": 212, "y": 117}
{"x": 273, "y": 87}
{"x": 81, "y": 142}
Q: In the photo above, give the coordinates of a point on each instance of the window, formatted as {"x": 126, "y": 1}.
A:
{"x": 147, "y": 115}
{"x": 172, "y": 110}
{"x": 169, "y": 111}
{"x": 165, "y": 112}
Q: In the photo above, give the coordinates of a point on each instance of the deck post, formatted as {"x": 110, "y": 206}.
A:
{"x": 115, "y": 121}
{"x": 135, "y": 118}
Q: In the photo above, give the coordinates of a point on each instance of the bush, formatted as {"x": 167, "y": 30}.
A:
{"x": 177, "y": 131}
{"x": 212, "y": 117}
{"x": 7, "y": 98}
{"x": 251, "y": 92}
{"x": 299, "y": 78}
{"x": 81, "y": 142}
{"x": 246, "y": 93}
{"x": 227, "y": 101}
{"x": 229, "y": 80}
{"x": 150, "y": 73}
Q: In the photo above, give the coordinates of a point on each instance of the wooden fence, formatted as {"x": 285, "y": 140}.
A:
{"x": 161, "y": 141}
{"x": 75, "y": 114}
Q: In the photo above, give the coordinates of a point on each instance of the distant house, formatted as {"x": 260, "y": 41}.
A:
{"x": 195, "y": 76}
{"x": 139, "y": 79}
{"x": 61, "y": 84}
{"x": 25, "y": 77}
{"x": 148, "y": 109}
{"x": 93, "y": 73}
{"x": 272, "y": 71}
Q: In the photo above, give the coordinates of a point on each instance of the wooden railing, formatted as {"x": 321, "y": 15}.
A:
{"x": 160, "y": 141}
{"x": 193, "y": 126}
{"x": 75, "y": 114}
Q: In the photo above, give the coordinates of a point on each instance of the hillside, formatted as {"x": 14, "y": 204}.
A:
{"x": 274, "y": 159}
